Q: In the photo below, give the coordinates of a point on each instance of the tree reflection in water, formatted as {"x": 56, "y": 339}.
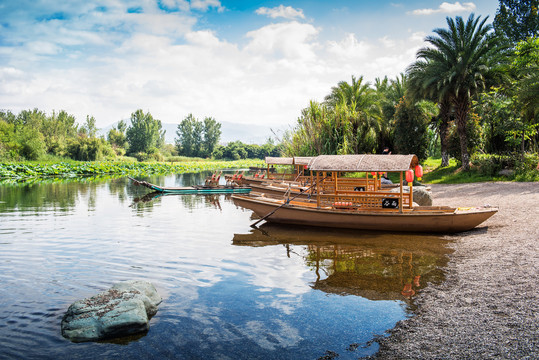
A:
{"x": 373, "y": 265}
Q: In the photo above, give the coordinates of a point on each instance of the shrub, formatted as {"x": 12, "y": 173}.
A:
{"x": 88, "y": 149}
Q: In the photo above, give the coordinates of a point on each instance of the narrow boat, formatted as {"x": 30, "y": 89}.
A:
{"x": 195, "y": 189}
{"x": 270, "y": 175}
{"x": 336, "y": 205}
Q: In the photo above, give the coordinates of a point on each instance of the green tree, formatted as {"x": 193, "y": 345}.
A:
{"x": 389, "y": 94}
{"x": 189, "y": 140}
{"x": 517, "y": 20}
{"x": 411, "y": 120}
{"x": 425, "y": 83}
{"x": 212, "y": 134}
{"x": 117, "y": 138}
{"x": 356, "y": 103}
{"x": 466, "y": 58}
{"x": 89, "y": 128}
{"x": 145, "y": 133}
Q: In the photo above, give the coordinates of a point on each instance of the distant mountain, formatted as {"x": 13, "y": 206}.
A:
{"x": 246, "y": 133}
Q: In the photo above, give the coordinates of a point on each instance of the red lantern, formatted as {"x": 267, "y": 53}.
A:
{"x": 410, "y": 176}
{"x": 419, "y": 171}
{"x": 373, "y": 173}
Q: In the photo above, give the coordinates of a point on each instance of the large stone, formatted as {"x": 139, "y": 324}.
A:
{"x": 124, "y": 309}
{"x": 421, "y": 196}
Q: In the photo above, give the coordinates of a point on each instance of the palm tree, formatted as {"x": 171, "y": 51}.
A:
{"x": 360, "y": 101}
{"x": 462, "y": 61}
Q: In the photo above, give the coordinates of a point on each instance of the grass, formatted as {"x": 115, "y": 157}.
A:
{"x": 452, "y": 174}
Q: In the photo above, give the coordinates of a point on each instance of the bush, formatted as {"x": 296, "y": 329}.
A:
{"x": 149, "y": 157}
{"x": 31, "y": 144}
{"x": 88, "y": 149}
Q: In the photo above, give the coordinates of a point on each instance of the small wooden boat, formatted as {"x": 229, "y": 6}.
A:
{"x": 195, "y": 189}
{"x": 367, "y": 209}
{"x": 269, "y": 175}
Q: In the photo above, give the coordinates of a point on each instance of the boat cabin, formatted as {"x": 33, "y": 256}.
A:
{"x": 335, "y": 191}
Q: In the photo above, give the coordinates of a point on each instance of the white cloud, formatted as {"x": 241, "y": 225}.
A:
{"x": 446, "y": 8}
{"x": 290, "y": 40}
{"x": 204, "y": 5}
{"x": 286, "y": 12}
{"x": 349, "y": 48}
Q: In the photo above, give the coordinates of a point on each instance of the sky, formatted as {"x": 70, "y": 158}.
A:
{"x": 247, "y": 62}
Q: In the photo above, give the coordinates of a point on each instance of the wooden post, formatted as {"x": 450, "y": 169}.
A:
{"x": 411, "y": 185}
{"x": 401, "y": 193}
{"x": 318, "y": 189}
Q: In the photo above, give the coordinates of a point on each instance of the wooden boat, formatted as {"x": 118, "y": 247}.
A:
{"x": 269, "y": 175}
{"x": 195, "y": 189}
{"x": 379, "y": 209}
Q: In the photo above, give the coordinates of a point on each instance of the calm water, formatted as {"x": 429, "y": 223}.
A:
{"x": 229, "y": 291}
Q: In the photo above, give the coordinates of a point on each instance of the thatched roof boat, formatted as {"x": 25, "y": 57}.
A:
{"x": 369, "y": 208}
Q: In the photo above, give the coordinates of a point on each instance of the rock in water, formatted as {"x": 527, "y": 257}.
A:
{"x": 124, "y": 309}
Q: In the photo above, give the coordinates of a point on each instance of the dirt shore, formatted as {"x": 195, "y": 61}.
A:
{"x": 488, "y": 306}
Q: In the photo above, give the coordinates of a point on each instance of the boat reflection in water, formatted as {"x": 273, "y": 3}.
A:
{"x": 375, "y": 266}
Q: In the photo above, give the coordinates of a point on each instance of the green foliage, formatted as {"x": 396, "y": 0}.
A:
{"x": 197, "y": 138}
{"x": 88, "y": 149}
{"x": 145, "y": 133}
{"x": 517, "y": 20}
{"x": 211, "y": 135}
{"x": 411, "y": 129}
{"x": 237, "y": 150}
{"x": 25, "y": 170}
{"x": 89, "y": 128}
{"x": 461, "y": 62}
{"x": 56, "y": 129}
{"x": 189, "y": 141}
{"x": 473, "y": 131}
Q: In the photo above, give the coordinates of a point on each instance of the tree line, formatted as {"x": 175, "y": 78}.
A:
{"x": 34, "y": 135}
{"x": 473, "y": 89}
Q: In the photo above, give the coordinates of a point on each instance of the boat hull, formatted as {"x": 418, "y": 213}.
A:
{"x": 219, "y": 189}
{"x": 411, "y": 221}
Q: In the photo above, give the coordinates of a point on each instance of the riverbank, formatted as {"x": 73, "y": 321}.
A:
{"x": 488, "y": 305}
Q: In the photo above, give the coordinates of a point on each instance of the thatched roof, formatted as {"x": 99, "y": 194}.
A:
{"x": 279, "y": 160}
{"x": 355, "y": 163}
{"x": 302, "y": 160}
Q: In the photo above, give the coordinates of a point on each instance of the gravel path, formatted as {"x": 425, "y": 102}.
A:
{"x": 488, "y": 307}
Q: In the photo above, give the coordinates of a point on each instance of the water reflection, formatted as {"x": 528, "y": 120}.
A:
{"x": 190, "y": 201}
{"x": 228, "y": 291}
{"x": 375, "y": 266}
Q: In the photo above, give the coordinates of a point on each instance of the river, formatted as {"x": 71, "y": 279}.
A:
{"x": 229, "y": 291}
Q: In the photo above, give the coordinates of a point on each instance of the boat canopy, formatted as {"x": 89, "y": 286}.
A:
{"x": 303, "y": 160}
{"x": 363, "y": 162}
{"x": 279, "y": 160}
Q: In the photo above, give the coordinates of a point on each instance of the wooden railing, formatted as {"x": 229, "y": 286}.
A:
{"x": 365, "y": 200}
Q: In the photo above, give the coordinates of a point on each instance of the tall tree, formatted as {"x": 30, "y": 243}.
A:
{"x": 189, "y": 134}
{"x": 89, "y": 128}
{"x": 212, "y": 134}
{"x": 465, "y": 57}
{"x": 145, "y": 133}
{"x": 425, "y": 83}
{"x": 517, "y": 19}
{"x": 356, "y": 103}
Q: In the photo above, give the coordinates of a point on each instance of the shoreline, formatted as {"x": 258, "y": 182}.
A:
{"x": 488, "y": 305}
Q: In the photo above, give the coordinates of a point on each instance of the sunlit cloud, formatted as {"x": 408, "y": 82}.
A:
{"x": 286, "y": 12}
{"x": 446, "y": 8}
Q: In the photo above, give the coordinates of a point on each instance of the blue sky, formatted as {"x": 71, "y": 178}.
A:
{"x": 239, "y": 61}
